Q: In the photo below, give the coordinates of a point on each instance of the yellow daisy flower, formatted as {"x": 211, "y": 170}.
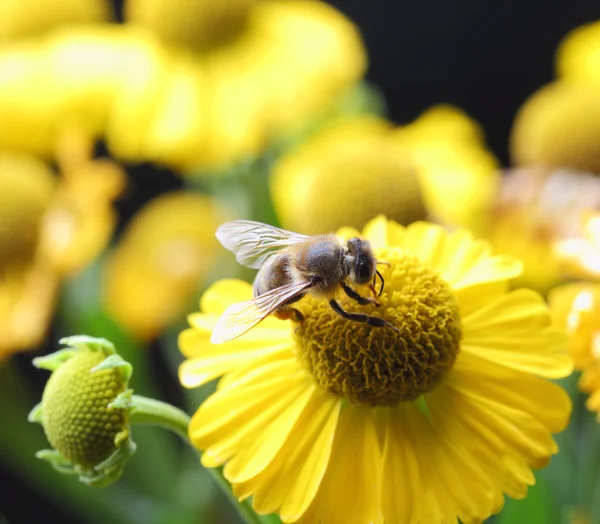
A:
{"x": 50, "y": 226}
{"x": 576, "y": 307}
{"x": 161, "y": 260}
{"x": 330, "y": 420}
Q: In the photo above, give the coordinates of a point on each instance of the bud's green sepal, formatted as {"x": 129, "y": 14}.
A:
{"x": 85, "y": 410}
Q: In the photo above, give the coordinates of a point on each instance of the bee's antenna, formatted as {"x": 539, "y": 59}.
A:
{"x": 383, "y": 263}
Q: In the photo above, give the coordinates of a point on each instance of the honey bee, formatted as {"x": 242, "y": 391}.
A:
{"x": 291, "y": 265}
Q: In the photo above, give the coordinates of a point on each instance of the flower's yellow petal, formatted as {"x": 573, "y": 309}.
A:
{"x": 426, "y": 241}
{"x": 224, "y": 293}
{"x": 492, "y": 429}
{"x": 300, "y": 464}
{"x": 461, "y": 261}
{"x": 522, "y": 308}
{"x": 482, "y": 440}
{"x": 230, "y": 420}
{"x": 213, "y": 363}
{"x": 383, "y": 233}
{"x": 545, "y": 401}
{"x": 411, "y": 492}
{"x": 195, "y": 342}
{"x": 250, "y": 461}
{"x": 514, "y": 331}
{"x": 470, "y": 494}
{"x": 351, "y": 488}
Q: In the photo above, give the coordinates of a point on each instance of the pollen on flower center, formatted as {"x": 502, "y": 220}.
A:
{"x": 378, "y": 365}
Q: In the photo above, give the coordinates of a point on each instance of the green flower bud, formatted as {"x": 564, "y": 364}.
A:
{"x": 85, "y": 410}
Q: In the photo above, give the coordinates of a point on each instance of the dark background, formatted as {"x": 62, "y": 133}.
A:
{"x": 485, "y": 57}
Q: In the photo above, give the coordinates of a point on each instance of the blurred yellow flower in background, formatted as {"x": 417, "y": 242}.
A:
{"x": 578, "y": 55}
{"x": 50, "y": 226}
{"x": 559, "y": 125}
{"x": 75, "y": 79}
{"x": 579, "y": 253}
{"x": 30, "y": 18}
{"x": 347, "y": 173}
{"x": 161, "y": 261}
{"x": 576, "y": 308}
{"x": 536, "y": 212}
{"x": 354, "y": 169}
{"x": 185, "y": 107}
{"x": 459, "y": 176}
{"x": 258, "y": 68}
{"x": 330, "y": 420}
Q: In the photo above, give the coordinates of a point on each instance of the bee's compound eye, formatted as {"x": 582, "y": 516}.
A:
{"x": 363, "y": 269}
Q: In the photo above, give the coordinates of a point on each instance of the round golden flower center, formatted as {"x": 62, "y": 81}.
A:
{"x": 198, "y": 24}
{"x": 76, "y": 417}
{"x": 380, "y": 366}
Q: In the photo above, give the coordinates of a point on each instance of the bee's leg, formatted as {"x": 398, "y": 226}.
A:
{"x": 363, "y": 301}
{"x": 361, "y": 317}
{"x": 286, "y": 314}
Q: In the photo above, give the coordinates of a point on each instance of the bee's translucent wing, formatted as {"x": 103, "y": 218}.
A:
{"x": 243, "y": 316}
{"x": 254, "y": 242}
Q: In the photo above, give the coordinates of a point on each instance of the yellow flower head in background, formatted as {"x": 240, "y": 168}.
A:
{"x": 576, "y": 307}
{"x": 559, "y": 125}
{"x": 162, "y": 259}
{"x": 354, "y": 169}
{"x": 251, "y": 69}
{"x": 50, "y": 226}
{"x": 457, "y": 173}
{"x": 346, "y": 174}
{"x": 329, "y": 420}
{"x": 76, "y": 79}
{"x": 283, "y": 63}
{"x": 30, "y": 18}
{"x": 578, "y": 55}
{"x": 539, "y": 217}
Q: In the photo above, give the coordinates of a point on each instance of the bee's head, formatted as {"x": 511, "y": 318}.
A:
{"x": 359, "y": 261}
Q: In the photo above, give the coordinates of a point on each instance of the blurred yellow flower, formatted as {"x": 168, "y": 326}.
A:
{"x": 537, "y": 216}
{"x": 329, "y": 420}
{"x": 28, "y": 18}
{"x": 578, "y": 55}
{"x": 354, "y": 169}
{"x": 346, "y": 174}
{"x": 186, "y": 108}
{"x": 164, "y": 256}
{"x": 579, "y": 253}
{"x": 576, "y": 307}
{"x": 458, "y": 174}
{"x": 75, "y": 79}
{"x": 49, "y": 227}
{"x": 260, "y": 68}
{"x": 559, "y": 126}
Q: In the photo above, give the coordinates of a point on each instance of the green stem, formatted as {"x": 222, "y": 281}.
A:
{"x": 150, "y": 411}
